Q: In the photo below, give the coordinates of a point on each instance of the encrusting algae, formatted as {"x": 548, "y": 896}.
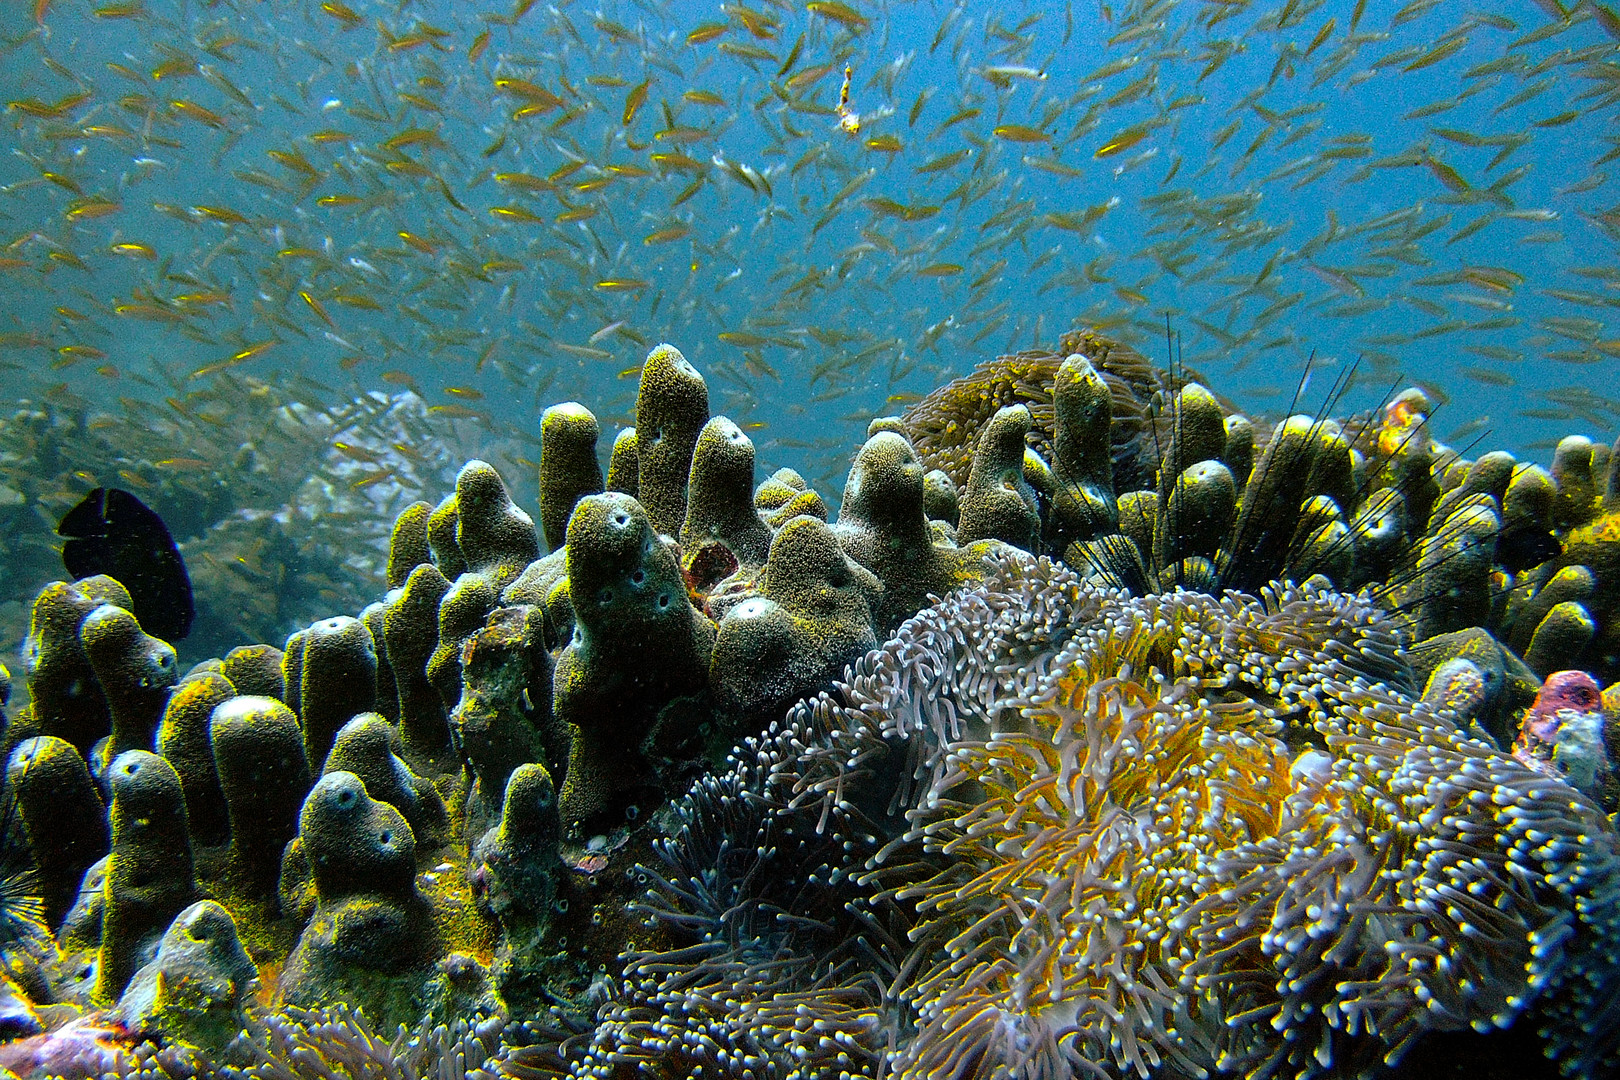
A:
{"x": 1104, "y": 731}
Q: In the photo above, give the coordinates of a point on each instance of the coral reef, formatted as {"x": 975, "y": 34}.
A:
{"x": 411, "y": 636}
{"x": 1102, "y": 730}
{"x": 65, "y": 698}
{"x": 137, "y": 671}
{"x": 881, "y": 525}
{"x": 256, "y": 670}
{"x": 998, "y": 503}
{"x": 517, "y": 865}
{"x": 721, "y": 508}
{"x": 185, "y": 740}
{"x": 495, "y": 537}
{"x": 811, "y": 617}
{"x": 671, "y": 408}
{"x": 331, "y": 676}
{"x": 569, "y": 470}
{"x": 370, "y": 747}
{"x": 259, "y": 758}
{"x": 504, "y": 718}
{"x": 466, "y": 604}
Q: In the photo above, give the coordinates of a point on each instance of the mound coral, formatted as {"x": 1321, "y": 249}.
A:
{"x": 945, "y": 425}
{"x": 1561, "y": 613}
{"x": 150, "y": 873}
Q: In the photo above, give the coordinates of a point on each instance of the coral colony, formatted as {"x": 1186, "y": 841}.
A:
{"x": 1103, "y": 732}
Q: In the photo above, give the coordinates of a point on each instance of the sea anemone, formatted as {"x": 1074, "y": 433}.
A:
{"x": 339, "y": 1043}
{"x": 755, "y": 967}
{"x": 1070, "y": 832}
{"x": 22, "y": 906}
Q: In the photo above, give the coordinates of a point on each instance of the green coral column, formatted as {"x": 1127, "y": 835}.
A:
{"x": 150, "y": 874}
{"x": 638, "y": 644}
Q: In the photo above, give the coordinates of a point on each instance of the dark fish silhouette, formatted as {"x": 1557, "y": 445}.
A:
{"x": 1521, "y": 548}
{"x": 112, "y": 532}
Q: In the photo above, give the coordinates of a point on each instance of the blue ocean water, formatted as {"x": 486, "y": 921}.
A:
{"x": 504, "y": 206}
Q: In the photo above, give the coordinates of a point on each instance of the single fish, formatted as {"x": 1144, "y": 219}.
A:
{"x": 112, "y": 532}
{"x": 663, "y": 236}
{"x": 634, "y": 100}
{"x": 1020, "y": 133}
{"x": 842, "y": 14}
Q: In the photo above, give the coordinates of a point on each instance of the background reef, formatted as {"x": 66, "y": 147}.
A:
{"x": 281, "y": 500}
{"x": 1164, "y": 742}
